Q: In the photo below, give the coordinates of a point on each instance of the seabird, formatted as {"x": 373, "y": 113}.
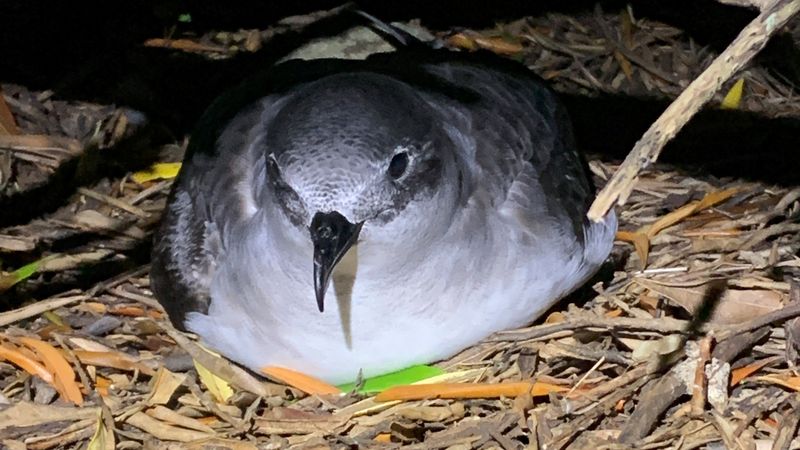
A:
{"x": 339, "y": 216}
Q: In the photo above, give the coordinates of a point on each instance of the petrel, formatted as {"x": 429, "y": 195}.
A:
{"x": 341, "y": 216}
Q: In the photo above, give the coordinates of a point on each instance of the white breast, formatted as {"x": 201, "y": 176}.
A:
{"x": 378, "y": 320}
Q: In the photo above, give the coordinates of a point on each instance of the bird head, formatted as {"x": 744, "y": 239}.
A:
{"x": 354, "y": 157}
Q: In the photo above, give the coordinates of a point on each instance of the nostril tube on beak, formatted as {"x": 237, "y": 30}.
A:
{"x": 332, "y": 235}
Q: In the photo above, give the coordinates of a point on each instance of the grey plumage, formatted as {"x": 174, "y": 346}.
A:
{"x": 483, "y": 230}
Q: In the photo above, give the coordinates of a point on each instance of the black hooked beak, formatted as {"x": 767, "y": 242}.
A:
{"x": 332, "y": 236}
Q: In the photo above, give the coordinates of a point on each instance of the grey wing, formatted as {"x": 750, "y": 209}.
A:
{"x": 185, "y": 249}
{"x": 213, "y": 192}
{"x": 524, "y": 142}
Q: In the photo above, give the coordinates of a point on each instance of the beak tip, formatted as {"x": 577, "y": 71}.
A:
{"x": 321, "y": 303}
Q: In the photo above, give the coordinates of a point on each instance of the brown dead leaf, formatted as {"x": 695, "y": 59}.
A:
{"x": 735, "y": 306}
{"x": 644, "y": 350}
{"x": 215, "y": 444}
{"x": 624, "y": 64}
{"x": 498, "y": 45}
{"x": 672, "y": 218}
{"x": 786, "y": 381}
{"x": 163, "y": 386}
{"x": 173, "y": 418}
{"x": 26, "y": 414}
{"x": 433, "y": 413}
{"x": 7, "y": 123}
{"x": 293, "y": 421}
{"x": 224, "y": 369}
{"x": 461, "y": 40}
{"x": 185, "y": 45}
{"x": 114, "y": 359}
{"x": 640, "y": 242}
{"x": 164, "y": 431}
{"x": 103, "y": 438}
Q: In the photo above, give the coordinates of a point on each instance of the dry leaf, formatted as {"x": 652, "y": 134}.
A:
{"x": 498, "y": 45}
{"x": 173, "y": 418}
{"x": 640, "y": 242}
{"x": 26, "y": 414}
{"x": 670, "y": 219}
{"x": 224, "y": 369}
{"x": 185, "y": 45}
{"x": 735, "y": 306}
{"x": 63, "y": 375}
{"x": 739, "y": 374}
{"x": 215, "y": 444}
{"x": 164, "y": 431}
{"x": 461, "y": 40}
{"x": 218, "y": 387}
{"x": 293, "y": 421}
{"x": 163, "y": 386}
{"x": 300, "y": 381}
{"x": 103, "y": 438}
{"x": 790, "y": 382}
{"x": 24, "y": 362}
{"x": 644, "y": 350}
{"x": 383, "y": 438}
{"x": 467, "y": 390}
{"x": 114, "y": 359}
{"x": 7, "y": 123}
{"x": 433, "y": 413}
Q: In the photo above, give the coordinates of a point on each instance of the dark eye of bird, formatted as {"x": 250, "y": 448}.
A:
{"x": 398, "y": 165}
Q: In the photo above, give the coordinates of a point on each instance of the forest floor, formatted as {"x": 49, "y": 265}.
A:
{"x": 689, "y": 339}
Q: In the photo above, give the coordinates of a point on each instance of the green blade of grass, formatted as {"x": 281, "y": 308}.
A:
{"x": 380, "y": 383}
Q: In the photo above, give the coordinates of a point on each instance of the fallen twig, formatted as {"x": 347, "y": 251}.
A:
{"x": 747, "y": 44}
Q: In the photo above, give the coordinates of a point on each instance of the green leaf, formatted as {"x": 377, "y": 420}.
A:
{"x": 185, "y": 18}
{"x": 26, "y": 271}
{"x": 7, "y": 280}
{"x": 380, "y": 383}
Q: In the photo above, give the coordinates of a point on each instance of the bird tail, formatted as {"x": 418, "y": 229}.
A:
{"x": 599, "y": 238}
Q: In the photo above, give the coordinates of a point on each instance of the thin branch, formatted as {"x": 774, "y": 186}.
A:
{"x": 750, "y": 41}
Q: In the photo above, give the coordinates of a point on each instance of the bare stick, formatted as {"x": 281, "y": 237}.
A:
{"x": 749, "y": 42}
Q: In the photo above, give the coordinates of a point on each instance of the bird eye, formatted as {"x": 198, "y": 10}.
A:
{"x": 398, "y": 165}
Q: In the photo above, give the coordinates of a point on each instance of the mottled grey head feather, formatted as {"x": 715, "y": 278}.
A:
{"x": 332, "y": 143}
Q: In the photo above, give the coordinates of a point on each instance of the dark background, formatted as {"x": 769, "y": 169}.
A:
{"x": 91, "y": 50}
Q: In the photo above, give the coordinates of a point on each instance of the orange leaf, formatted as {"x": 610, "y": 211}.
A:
{"x": 737, "y": 375}
{"x": 183, "y": 44}
{"x": 670, "y": 219}
{"x": 498, "y": 45}
{"x": 461, "y": 40}
{"x": 128, "y": 311}
{"x": 63, "y": 375}
{"x": 640, "y": 241}
{"x": 785, "y": 381}
{"x": 300, "y": 381}
{"x": 101, "y": 385}
{"x": 466, "y": 390}
{"x": 383, "y": 438}
{"x": 25, "y": 362}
